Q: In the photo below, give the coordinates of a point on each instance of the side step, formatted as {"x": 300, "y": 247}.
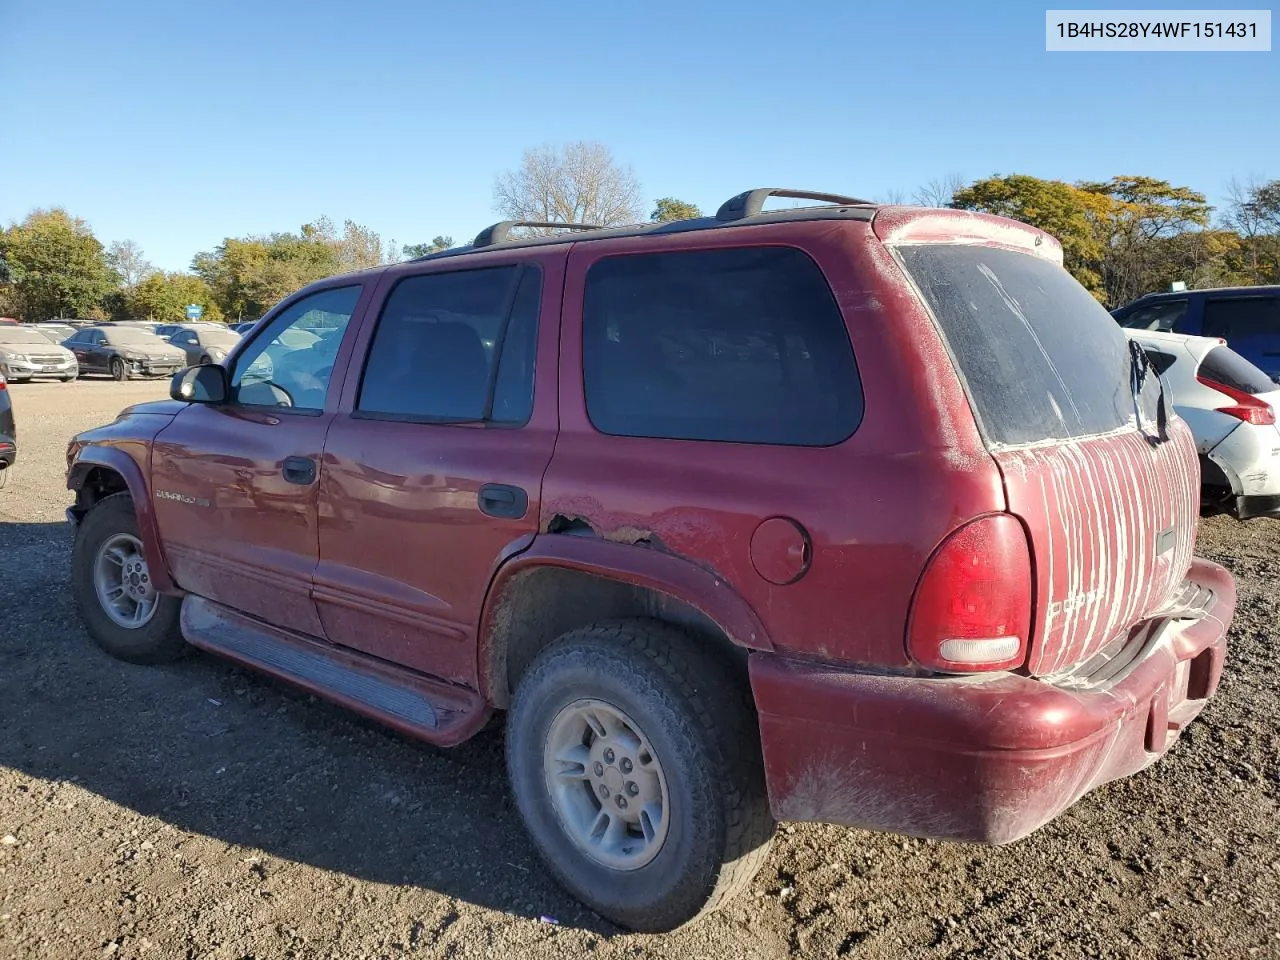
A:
{"x": 411, "y": 702}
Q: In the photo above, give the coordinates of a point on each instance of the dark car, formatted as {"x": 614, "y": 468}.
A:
{"x": 8, "y": 431}
{"x": 124, "y": 352}
{"x": 1248, "y": 318}
{"x": 857, "y": 514}
{"x": 205, "y": 344}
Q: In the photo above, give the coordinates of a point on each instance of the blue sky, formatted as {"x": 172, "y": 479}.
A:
{"x": 176, "y": 124}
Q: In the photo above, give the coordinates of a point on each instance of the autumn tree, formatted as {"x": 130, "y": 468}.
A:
{"x": 669, "y": 209}
{"x": 126, "y": 259}
{"x": 411, "y": 251}
{"x": 575, "y": 183}
{"x": 248, "y": 275}
{"x": 57, "y": 266}
{"x": 1253, "y": 214}
{"x": 163, "y": 297}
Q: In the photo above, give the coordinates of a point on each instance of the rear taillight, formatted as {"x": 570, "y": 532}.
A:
{"x": 972, "y": 608}
{"x": 1247, "y": 407}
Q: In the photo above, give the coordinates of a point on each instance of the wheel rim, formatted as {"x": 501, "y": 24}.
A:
{"x": 606, "y": 785}
{"x": 123, "y": 582}
{"x": 117, "y": 369}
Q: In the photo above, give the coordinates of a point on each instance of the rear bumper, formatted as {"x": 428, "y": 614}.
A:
{"x": 978, "y": 759}
{"x": 1248, "y": 507}
{"x": 8, "y": 451}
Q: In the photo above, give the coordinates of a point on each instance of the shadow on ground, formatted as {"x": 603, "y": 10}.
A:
{"x": 213, "y": 750}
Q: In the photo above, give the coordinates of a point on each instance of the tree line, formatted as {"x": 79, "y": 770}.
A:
{"x": 1121, "y": 238}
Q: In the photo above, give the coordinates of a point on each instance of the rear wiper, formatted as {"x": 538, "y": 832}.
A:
{"x": 1139, "y": 367}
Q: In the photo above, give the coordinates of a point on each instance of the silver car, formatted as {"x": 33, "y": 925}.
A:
{"x": 205, "y": 344}
{"x": 26, "y": 353}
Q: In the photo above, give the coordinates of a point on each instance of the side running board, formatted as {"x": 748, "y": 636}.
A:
{"x": 413, "y": 703}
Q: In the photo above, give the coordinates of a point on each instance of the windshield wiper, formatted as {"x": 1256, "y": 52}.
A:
{"x": 1139, "y": 367}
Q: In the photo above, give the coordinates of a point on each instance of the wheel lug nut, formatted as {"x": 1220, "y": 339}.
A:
{"x": 604, "y": 791}
{"x": 608, "y": 755}
{"x": 621, "y": 801}
{"x": 632, "y": 788}
{"x": 598, "y": 768}
{"x": 625, "y": 765}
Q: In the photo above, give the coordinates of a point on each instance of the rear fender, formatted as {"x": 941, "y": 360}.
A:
{"x": 122, "y": 464}
{"x": 638, "y": 566}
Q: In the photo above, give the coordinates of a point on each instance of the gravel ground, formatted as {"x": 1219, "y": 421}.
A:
{"x": 198, "y": 811}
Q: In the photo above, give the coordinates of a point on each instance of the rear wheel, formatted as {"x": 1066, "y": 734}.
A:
{"x": 111, "y": 583}
{"x": 118, "y": 370}
{"x": 635, "y": 761}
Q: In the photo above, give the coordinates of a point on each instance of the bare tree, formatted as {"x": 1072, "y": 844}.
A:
{"x": 895, "y": 197}
{"x": 126, "y": 259}
{"x": 575, "y": 183}
{"x": 939, "y": 191}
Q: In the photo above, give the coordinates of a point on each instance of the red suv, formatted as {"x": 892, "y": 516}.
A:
{"x": 849, "y": 513}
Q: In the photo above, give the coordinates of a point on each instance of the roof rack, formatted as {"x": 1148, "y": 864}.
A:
{"x": 500, "y": 231}
{"x": 751, "y": 202}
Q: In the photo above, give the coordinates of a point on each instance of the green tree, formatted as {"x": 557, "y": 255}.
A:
{"x": 411, "y": 251}
{"x": 57, "y": 265}
{"x": 669, "y": 209}
{"x": 163, "y": 298}
{"x": 1076, "y": 217}
{"x": 247, "y": 276}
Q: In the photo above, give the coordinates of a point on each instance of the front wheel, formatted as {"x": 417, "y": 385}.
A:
{"x": 634, "y": 758}
{"x": 111, "y": 583}
{"x": 118, "y": 369}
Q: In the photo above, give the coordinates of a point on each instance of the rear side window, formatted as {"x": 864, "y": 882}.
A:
{"x": 1160, "y": 360}
{"x": 1242, "y": 317}
{"x": 1166, "y": 315}
{"x": 740, "y": 345}
{"x": 1223, "y": 365}
{"x": 456, "y": 346}
{"x": 1040, "y": 358}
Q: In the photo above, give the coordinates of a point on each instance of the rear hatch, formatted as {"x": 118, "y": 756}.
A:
{"x": 1110, "y": 509}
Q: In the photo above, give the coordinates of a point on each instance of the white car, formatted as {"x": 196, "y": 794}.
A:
{"x": 1230, "y": 406}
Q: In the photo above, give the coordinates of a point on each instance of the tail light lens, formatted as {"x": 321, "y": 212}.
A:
{"x": 972, "y": 608}
{"x": 1247, "y": 407}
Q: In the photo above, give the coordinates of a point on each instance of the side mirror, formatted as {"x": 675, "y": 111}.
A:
{"x": 206, "y": 383}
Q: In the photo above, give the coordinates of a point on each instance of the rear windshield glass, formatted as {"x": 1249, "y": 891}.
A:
{"x": 1223, "y": 365}
{"x": 1040, "y": 358}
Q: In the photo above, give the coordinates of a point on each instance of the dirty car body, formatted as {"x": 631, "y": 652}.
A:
{"x": 944, "y": 548}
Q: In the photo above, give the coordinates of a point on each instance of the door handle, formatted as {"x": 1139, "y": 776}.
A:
{"x": 503, "y": 500}
{"x": 299, "y": 470}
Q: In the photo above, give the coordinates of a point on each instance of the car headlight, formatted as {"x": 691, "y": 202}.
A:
{"x": 20, "y": 357}
{"x": 130, "y": 355}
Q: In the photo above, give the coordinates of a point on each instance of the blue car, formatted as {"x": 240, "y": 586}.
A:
{"x": 1248, "y": 318}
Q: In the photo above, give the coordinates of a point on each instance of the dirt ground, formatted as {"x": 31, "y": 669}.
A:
{"x": 195, "y": 810}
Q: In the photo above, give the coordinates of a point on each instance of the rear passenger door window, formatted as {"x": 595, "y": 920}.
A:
{"x": 1243, "y": 318}
{"x": 455, "y": 347}
{"x": 743, "y": 345}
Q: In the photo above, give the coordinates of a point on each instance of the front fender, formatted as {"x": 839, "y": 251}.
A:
{"x": 124, "y": 464}
{"x": 664, "y": 573}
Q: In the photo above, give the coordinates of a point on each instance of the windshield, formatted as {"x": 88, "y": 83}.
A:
{"x": 1039, "y": 357}
{"x": 219, "y": 338}
{"x": 133, "y": 337}
{"x": 19, "y": 335}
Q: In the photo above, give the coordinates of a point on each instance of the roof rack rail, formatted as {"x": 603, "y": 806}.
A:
{"x": 500, "y": 231}
{"x": 751, "y": 202}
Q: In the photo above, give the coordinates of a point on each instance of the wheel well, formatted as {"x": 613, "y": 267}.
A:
{"x": 539, "y": 605}
{"x": 98, "y": 484}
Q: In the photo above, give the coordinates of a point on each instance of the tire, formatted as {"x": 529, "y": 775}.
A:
{"x": 159, "y": 639}
{"x": 118, "y": 370}
{"x": 693, "y": 717}
{"x": 66, "y": 379}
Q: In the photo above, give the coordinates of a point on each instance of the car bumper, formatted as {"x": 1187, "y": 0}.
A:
{"x": 1258, "y": 505}
{"x": 24, "y": 370}
{"x": 154, "y": 368}
{"x": 983, "y": 759}
{"x": 8, "y": 451}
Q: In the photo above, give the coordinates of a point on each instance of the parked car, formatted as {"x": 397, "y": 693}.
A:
{"x": 26, "y": 354}
{"x": 167, "y": 330}
{"x": 843, "y": 513}
{"x": 8, "y": 432}
{"x": 124, "y": 352}
{"x": 1230, "y": 406}
{"x": 205, "y": 344}
{"x": 8, "y": 321}
{"x": 1248, "y": 318}
{"x": 53, "y": 332}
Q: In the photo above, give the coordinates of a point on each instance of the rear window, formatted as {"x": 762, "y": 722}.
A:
{"x": 738, "y": 345}
{"x": 1223, "y": 365}
{"x": 1040, "y": 358}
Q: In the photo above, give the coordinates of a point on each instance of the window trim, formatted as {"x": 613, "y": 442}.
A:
{"x": 835, "y": 303}
{"x": 260, "y": 330}
{"x": 522, "y": 269}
